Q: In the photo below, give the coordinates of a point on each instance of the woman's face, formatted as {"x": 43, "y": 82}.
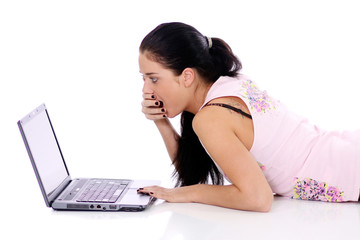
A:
{"x": 162, "y": 83}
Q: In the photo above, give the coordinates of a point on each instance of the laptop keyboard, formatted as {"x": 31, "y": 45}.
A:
{"x": 102, "y": 190}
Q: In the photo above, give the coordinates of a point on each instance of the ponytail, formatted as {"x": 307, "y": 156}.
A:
{"x": 225, "y": 62}
{"x": 192, "y": 164}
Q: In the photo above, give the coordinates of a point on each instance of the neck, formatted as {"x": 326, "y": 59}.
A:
{"x": 200, "y": 94}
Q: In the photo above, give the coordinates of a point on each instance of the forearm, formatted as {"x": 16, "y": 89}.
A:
{"x": 228, "y": 196}
{"x": 255, "y": 199}
{"x": 169, "y": 135}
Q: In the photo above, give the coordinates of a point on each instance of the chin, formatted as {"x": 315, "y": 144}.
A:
{"x": 170, "y": 115}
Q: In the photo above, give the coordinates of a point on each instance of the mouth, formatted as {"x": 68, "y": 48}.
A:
{"x": 161, "y": 104}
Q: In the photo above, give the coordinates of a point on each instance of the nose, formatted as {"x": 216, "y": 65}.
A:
{"x": 146, "y": 87}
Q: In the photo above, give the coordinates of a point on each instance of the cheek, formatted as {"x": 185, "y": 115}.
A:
{"x": 164, "y": 93}
{"x": 170, "y": 94}
{"x": 173, "y": 105}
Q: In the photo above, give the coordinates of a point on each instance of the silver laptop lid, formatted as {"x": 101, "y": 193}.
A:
{"x": 44, "y": 152}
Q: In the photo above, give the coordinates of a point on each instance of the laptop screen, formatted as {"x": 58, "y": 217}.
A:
{"x": 44, "y": 149}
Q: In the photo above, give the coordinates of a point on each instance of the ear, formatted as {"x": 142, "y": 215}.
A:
{"x": 189, "y": 76}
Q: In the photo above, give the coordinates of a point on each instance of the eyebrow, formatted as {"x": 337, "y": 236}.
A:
{"x": 150, "y": 73}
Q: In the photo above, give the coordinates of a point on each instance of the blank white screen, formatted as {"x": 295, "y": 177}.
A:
{"x": 45, "y": 152}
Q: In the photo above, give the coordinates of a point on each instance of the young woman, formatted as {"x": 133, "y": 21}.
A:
{"x": 232, "y": 129}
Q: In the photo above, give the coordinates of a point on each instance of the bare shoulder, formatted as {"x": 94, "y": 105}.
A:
{"x": 211, "y": 120}
{"x": 212, "y": 115}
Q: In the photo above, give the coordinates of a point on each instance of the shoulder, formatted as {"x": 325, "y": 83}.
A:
{"x": 205, "y": 120}
{"x": 212, "y": 118}
{"x": 216, "y": 121}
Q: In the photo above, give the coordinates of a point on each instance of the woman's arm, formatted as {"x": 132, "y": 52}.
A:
{"x": 216, "y": 129}
{"x": 154, "y": 110}
{"x": 228, "y": 196}
{"x": 169, "y": 135}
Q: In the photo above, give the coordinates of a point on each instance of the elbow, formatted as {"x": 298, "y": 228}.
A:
{"x": 256, "y": 201}
{"x": 263, "y": 203}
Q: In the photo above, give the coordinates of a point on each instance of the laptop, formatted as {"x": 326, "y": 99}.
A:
{"x": 59, "y": 190}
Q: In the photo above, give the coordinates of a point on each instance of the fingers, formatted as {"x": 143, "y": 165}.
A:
{"x": 153, "y": 108}
{"x": 153, "y": 191}
{"x": 152, "y": 103}
{"x": 148, "y": 96}
{"x": 167, "y": 194}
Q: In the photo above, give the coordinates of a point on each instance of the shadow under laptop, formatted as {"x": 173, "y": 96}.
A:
{"x": 164, "y": 220}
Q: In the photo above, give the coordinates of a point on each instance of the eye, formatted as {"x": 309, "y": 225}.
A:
{"x": 154, "y": 80}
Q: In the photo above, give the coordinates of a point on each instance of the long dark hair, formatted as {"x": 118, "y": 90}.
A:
{"x": 178, "y": 46}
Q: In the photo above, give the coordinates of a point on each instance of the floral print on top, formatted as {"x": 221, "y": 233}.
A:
{"x": 258, "y": 100}
{"x": 262, "y": 167}
{"x": 310, "y": 189}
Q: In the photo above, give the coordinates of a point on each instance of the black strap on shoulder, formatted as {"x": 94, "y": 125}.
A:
{"x": 231, "y": 108}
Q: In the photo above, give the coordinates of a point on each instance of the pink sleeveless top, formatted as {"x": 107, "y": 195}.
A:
{"x": 298, "y": 159}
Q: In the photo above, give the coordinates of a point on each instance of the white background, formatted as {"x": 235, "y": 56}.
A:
{"x": 80, "y": 58}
